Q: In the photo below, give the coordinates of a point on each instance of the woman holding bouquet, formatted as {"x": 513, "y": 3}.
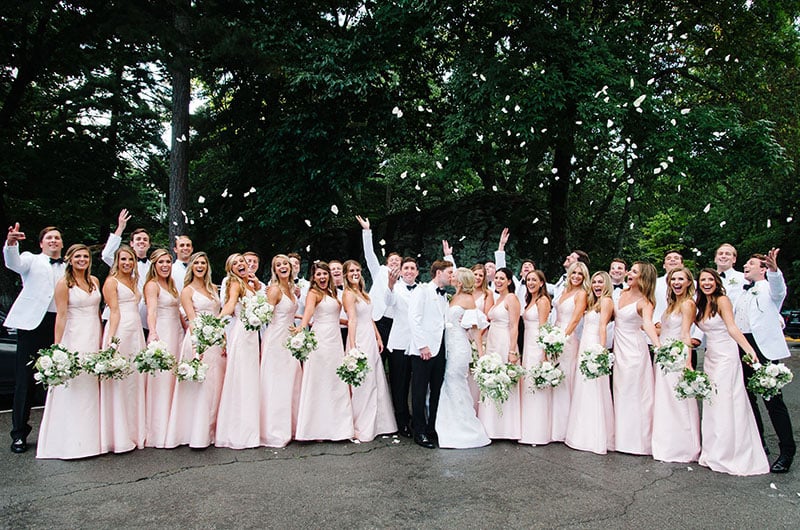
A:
{"x": 371, "y": 400}
{"x": 238, "y": 420}
{"x": 676, "y": 422}
{"x": 122, "y": 401}
{"x": 165, "y": 324}
{"x": 633, "y": 371}
{"x": 591, "y": 413}
{"x": 502, "y": 340}
{"x": 484, "y": 300}
{"x": 731, "y": 443}
{"x": 281, "y": 373}
{"x": 457, "y": 425}
{"x": 536, "y": 407}
{"x": 570, "y": 307}
{"x": 193, "y": 416}
{"x": 325, "y": 411}
{"x": 71, "y": 422}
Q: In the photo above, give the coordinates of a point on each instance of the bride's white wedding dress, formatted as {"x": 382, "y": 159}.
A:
{"x": 457, "y": 425}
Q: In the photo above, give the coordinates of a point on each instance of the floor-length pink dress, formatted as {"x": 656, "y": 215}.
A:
{"x": 71, "y": 422}
{"x": 372, "y": 402}
{"x": 676, "y": 422}
{"x": 633, "y": 383}
{"x": 325, "y": 411}
{"x": 474, "y": 391}
{"x": 535, "y": 407}
{"x": 161, "y": 385}
{"x": 193, "y": 416}
{"x": 562, "y": 394}
{"x": 238, "y": 421}
{"x": 505, "y": 423}
{"x": 591, "y": 413}
{"x": 122, "y": 401}
{"x": 731, "y": 443}
{"x": 281, "y": 376}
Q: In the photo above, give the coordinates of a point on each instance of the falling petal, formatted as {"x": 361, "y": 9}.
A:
{"x": 421, "y": 108}
{"x": 673, "y": 122}
{"x": 201, "y": 199}
{"x": 417, "y": 187}
{"x": 508, "y": 161}
{"x": 422, "y": 175}
{"x": 788, "y": 219}
{"x": 663, "y": 165}
{"x": 438, "y": 165}
{"x": 631, "y": 83}
{"x": 395, "y": 441}
{"x": 404, "y": 174}
{"x": 225, "y": 193}
{"x": 175, "y": 223}
{"x": 71, "y": 129}
{"x": 308, "y": 248}
{"x": 656, "y": 171}
{"x": 554, "y": 171}
{"x": 630, "y": 180}
{"x": 685, "y": 111}
{"x": 638, "y": 101}
{"x": 508, "y": 97}
{"x": 723, "y": 223}
{"x": 494, "y": 188}
{"x": 239, "y": 220}
{"x": 773, "y": 486}
{"x": 579, "y": 122}
{"x": 535, "y": 221}
{"x": 689, "y": 468}
{"x": 395, "y": 110}
{"x": 517, "y": 108}
{"x": 708, "y": 50}
{"x": 417, "y": 208}
{"x": 504, "y": 110}
{"x": 247, "y": 193}
{"x": 483, "y": 78}
{"x": 545, "y": 241}
{"x": 639, "y": 110}
{"x": 335, "y": 209}
{"x": 252, "y": 190}
{"x": 769, "y": 223}
{"x": 382, "y": 242}
{"x": 191, "y": 221}
{"x": 631, "y": 226}
{"x": 727, "y": 58}
{"x": 424, "y": 193}
{"x": 609, "y": 124}
{"x": 651, "y": 81}
{"x": 707, "y": 208}
{"x": 679, "y": 188}
{"x": 462, "y": 238}
{"x": 308, "y": 223}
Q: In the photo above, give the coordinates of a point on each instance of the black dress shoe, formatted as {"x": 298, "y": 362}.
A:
{"x": 782, "y": 464}
{"x": 19, "y": 445}
{"x": 405, "y": 432}
{"x": 424, "y": 441}
{"x": 433, "y": 437}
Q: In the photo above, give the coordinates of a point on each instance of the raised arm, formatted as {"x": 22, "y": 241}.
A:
{"x": 11, "y": 254}
{"x": 373, "y": 264}
{"x": 777, "y": 285}
{"x": 500, "y": 253}
{"x": 447, "y": 252}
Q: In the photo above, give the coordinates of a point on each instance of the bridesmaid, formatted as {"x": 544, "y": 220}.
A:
{"x": 484, "y": 300}
{"x": 591, "y": 412}
{"x": 502, "y": 339}
{"x": 325, "y": 411}
{"x": 193, "y": 416}
{"x": 633, "y": 370}
{"x": 676, "y": 422}
{"x": 570, "y": 307}
{"x": 165, "y": 324}
{"x": 281, "y": 374}
{"x": 238, "y": 420}
{"x": 731, "y": 443}
{"x": 122, "y": 401}
{"x": 71, "y": 421}
{"x": 372, "y": 402}
{"x": 535, "y": 407}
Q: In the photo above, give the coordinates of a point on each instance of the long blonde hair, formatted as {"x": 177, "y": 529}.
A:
{"x": 234, "y": 278}
{"x": 114, "y": 273}
{"x": 189, "y": 278}
{"x": 69, "y": 274}
{"x": 593, "y": 302}
{"x": 358, "y": 288}
{"x": 584, "y": 270}
{"x": 152, "y": 275}
{"x": 673, "y": 302}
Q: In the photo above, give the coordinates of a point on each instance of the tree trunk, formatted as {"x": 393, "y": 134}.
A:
{"x": 179, "y": 151}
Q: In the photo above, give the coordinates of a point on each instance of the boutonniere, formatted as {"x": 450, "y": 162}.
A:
{"x": 754, "y": 292}
{"x": 449, "y": 297}
{"x": 732, "y": 281}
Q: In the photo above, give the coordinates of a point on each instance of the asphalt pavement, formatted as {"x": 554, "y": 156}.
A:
{"x": 391, "y": 483}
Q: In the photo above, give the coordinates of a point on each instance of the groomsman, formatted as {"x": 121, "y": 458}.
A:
{"x": 672, "y": 260}
{"x": 491, "y": 268}
{"x": 337, "y": 275}
{"x": 427, "y": 312}
{"x": 402, "y": 282}
{"x": 757, "y": 314}
{"x": 33, "y": 315}
{"x": 617, "y": 270}
{"x": 733, "y": 280}
{"x": 183, "y": 250}
{"x": 556, "y": 289}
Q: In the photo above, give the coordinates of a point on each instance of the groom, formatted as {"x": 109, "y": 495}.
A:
{"x": 427, "y": 312}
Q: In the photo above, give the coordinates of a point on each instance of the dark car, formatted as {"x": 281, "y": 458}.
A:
{"x": 791, "y": 318}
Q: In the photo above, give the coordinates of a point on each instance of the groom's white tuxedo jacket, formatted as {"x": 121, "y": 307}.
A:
{"x": 38, "y": 287}
{"x": 757, "y": 311}
{"x": 427, "y": 313}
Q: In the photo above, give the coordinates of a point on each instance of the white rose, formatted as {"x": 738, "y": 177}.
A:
{"x": 45, "y": 362}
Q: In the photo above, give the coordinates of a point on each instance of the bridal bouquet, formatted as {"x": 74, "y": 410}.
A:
{"x": 769, "y": 379}
{"x": 208, "y": 331}
{"x": 694, "y": 384}
{"x": 672, "y": 356}
{"x": 154, "y": 358}
{"x": 545, "y": 375}
{"x": 55, "y": 366}
{"x": 473, "y": 362}
{"x": 301, "y": 344}
{"x": 256, "y": 311}
{"x": 596, "y": 361}
{"x": 354, "y": 367}
{"x": 108, "y": 363}
{"x": 495, "y": 378}
{"x": 194, "y": 370}
{"x": 551, "y": 339}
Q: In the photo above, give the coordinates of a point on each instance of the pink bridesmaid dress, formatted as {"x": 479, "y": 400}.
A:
{"x": 193, "y": 415}
{"x": 535, "y": 407}
{"x": 281, "y": 376}
{"x": 731, "y": 443}
{"x": 71, "y": 422}
{"x": 633, "y": 383}
{"x": 122, "y": 402}
{"x": 325, "y": 411}
{"x": 372, "y": 403}
{"x": 161, "y": 386}
{"x": 238, "y": 421}
{"x": 568, "y": 361}
{"x": 504, "y": 424}
{"x": 591, "y": 413}
{"x": 676, "y": 422}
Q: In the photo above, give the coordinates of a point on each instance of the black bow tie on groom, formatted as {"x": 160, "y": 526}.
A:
{"x": 411, "y": 287}
{"x": 748, "y": 286}
{"x": 440, "y": 291}
{"x": 56, "y": 260}
{"x": 142, "y": 260}
{"x": 619, "y": 286}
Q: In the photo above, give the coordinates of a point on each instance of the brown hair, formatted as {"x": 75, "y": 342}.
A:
{"x": 152, "y": 275}
{"x": 314, "y": 286}
{"x": 134, "y": 272}
{"x": 209, "y": 285}
{"x": 704, "y": 301}
{"x": 673, "y": 302}
{"x": 542, "y": 288}
{"x": 358, "y": 288}
{"x": 43, "y": 232}
{"x": 647, "y": 280}
{"x": 69, "y": 274}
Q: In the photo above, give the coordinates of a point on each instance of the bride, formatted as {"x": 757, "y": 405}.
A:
{"x": 457, "y": 425}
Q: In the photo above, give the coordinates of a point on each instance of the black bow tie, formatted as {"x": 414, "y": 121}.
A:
{"x": 340, "y": 287}
{"x": 184, "y": 264}
{"x": 142, "y": 260}
{"x": 619, "y": 286}
{"x": 412, "y": 287}
{"x": 297, "y": 280}
{"x": 56, "y": 260}
{"x": 440, "y": 291}
{"x": 722, "y": 274}
{"x": 748, "y": 286}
